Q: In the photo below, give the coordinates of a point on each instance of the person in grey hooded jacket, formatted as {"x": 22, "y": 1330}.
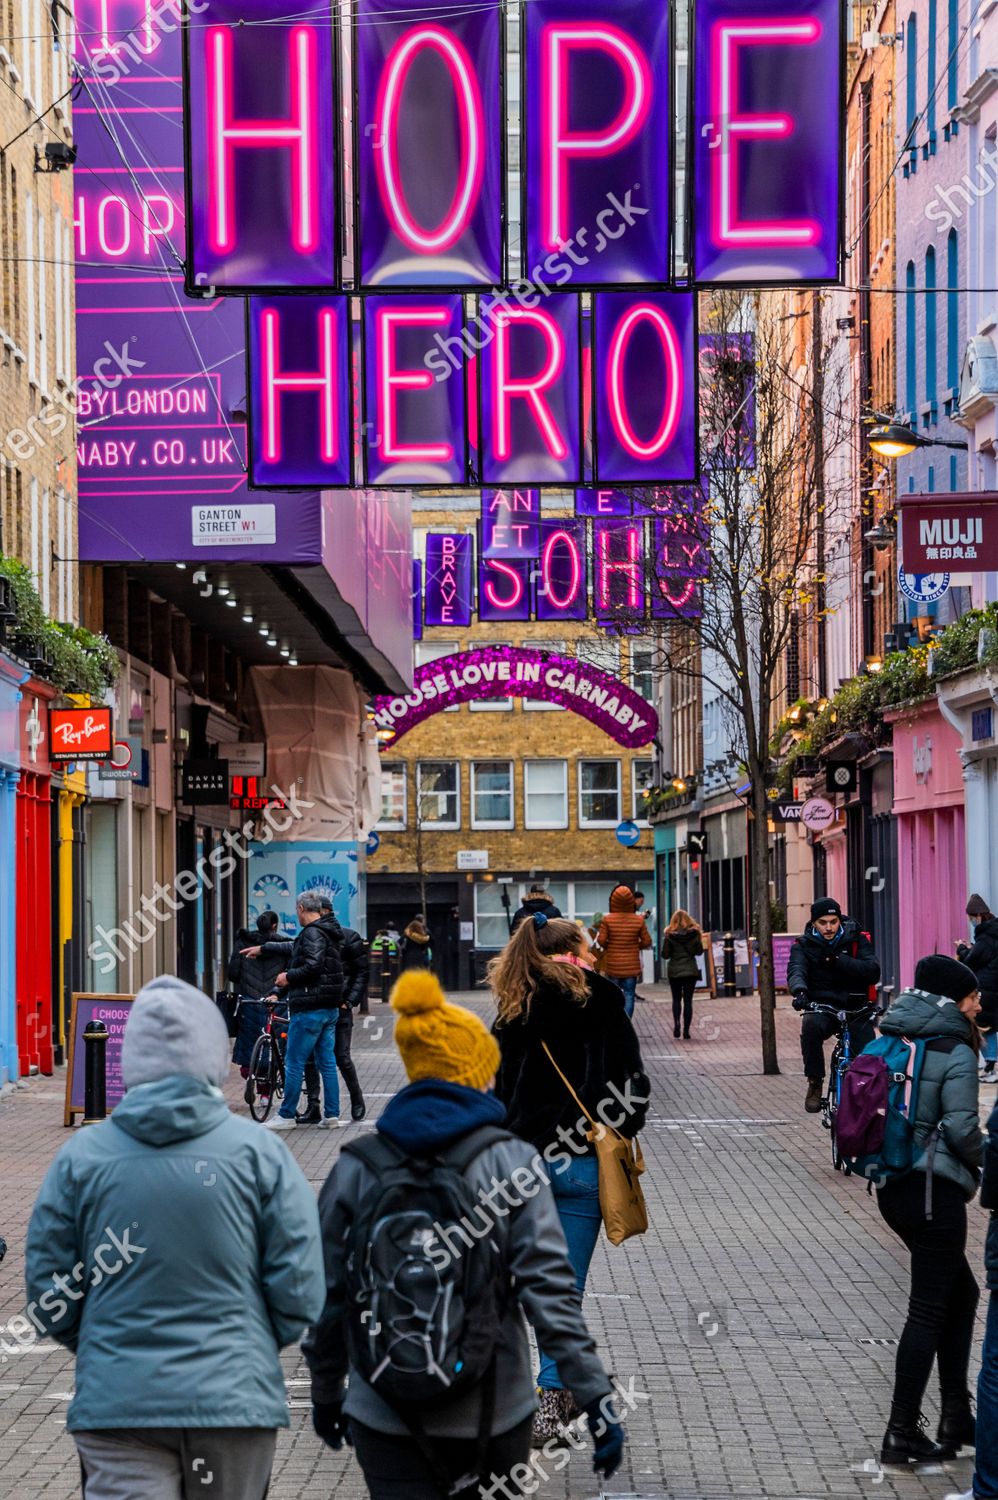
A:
{"x": 174, "y": 1248}
{"x": 927, "y": 1209}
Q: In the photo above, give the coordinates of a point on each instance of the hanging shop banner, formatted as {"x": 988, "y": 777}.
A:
{"x": 415, "y": 424}
{"x": 417, "y": 599}
{"x": 300, "y": 420}
{"x": 262, "y": 159}
{"x": 951, "y": 529}
{"x": 681, "y": 545}
{"x": 80, "y": 734}
{"x": 597, "y": 144}
{"x": 449, "y": 585}
{"x": 521, "y": 672}
{"x": 767, "y": 141}
{"x": 727, "y": 370}
{"x": 646, "y": 389}
{"x": 590, "y": 502}
{"x": 429, "y": 123}
{"x": 675, "y": 597}
{"x": 510, "y": 522}
{"x": 504, "y": 589}
{"x": 530, "y": 407}
{"x": 561, "y": 591}
{"x": 619, "y": 564}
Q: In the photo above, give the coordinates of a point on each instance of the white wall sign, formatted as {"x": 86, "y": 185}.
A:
{"x": 235, "y": 525}
{"x": 472, "y": 859}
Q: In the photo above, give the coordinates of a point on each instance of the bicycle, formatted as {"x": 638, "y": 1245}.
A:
{"x": 842, "y": 1056}
{"x": 266, "y": 1066}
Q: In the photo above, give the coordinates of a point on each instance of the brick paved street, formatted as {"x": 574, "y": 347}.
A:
{"x": 757, "y": 1315}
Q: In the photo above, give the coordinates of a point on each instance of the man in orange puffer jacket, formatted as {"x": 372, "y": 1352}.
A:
{"x": 622, "y": 935}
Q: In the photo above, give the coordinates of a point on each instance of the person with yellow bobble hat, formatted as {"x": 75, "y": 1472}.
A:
{"x": 439, "y": 1233}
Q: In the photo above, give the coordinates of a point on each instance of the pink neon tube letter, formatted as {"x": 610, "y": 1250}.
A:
{"x": 504, "y": 568}
{"x": 226, "y": 135}
{"x": 323, "y": 382}
{"x": 606, "y": 565}
{"x": 558, "y": 144}
{"x": 571, "y": 593}
{"x": 727, "y": 39}
{"x": 672, "y": 406}
{"x": 529, "y": 388}
{"x": 390, "y": 380}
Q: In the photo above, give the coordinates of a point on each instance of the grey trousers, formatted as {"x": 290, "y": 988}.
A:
{"x": 176, "y": 1463}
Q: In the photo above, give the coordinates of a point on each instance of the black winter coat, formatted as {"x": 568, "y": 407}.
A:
{"x": 989, "y": 1199}
{"x": 315, "y": 969}
{"x": 681, "y": 949}
{"x": 254, "y": 978}
{"x": 538, "y": 903}
{"x": 594, "y": 1045}
{"x": 838, "y": 975}
{"x": 982, "y": 957}
{"x": 356, "y": 969}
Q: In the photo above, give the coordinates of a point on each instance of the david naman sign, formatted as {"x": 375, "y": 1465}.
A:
{"x": 520, "y": 672}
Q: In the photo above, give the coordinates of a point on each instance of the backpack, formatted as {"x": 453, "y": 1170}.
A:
{"x": 425, "y": 1297}
{"x": 878, "y": 1109}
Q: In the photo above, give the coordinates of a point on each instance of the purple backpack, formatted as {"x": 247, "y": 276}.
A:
{"x": 861, "y": 1119}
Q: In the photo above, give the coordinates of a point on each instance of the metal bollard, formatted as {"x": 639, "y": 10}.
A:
{"x": 729, "y": 988}
{"x": 95, "y": 1036}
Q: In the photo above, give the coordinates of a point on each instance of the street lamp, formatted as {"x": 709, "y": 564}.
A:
{"x": 894, "y": 440}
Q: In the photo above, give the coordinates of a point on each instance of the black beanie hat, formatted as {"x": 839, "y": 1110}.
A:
{"x": 945, "y": 976}
{"x": 977, "y": 906}
{"x": 826, "y": 907}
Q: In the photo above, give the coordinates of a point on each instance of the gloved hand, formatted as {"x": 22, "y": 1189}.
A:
{"x": 330, "y": 1424}
{"x": 800, "y": 1000}
{"x": 606, "y": 1427}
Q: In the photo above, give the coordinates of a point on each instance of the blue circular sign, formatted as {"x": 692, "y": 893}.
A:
{"x": 628, "y": 833}
{"x": 922, "y": 588}
{"x": 373, "y": 842}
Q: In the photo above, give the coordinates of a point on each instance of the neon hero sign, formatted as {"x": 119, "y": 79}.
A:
{"x": 424, "y": 182}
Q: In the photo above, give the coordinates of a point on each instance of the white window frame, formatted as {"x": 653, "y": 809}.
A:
{"x": 597, "y": 760}
{"x": 434, "y": 826}
{"x": 442, "y": 649}
{"x": 476, "y": 821}
{"x": 529, "y": 822}
{"x": 538, "y": 705}
{"x": 637, "y": 644}
{"x": 393, "y": 824}
{"x": 637, "y": 815}
{"x": 501, "y": 915}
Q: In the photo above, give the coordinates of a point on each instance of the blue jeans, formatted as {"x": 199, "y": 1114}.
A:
{"x": 307, "y": 1031}
{"x": 986, "y": 1464}
{"x": 630, "y": 989}
{"x": 989, "y": 1051}
{"x": 576, "y": 1197}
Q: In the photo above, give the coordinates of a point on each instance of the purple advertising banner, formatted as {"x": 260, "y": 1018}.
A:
{"x": 681, "y": 547}
{"x": 562, "y": 592}
{"x": 676, "y": 598}
{"x": 449, "y": 589}
{"x": 597, "y": 147}
{"x": 521, "y": 672}
{"x": 262, "y": 184}
{"x": 767, "y": 141}
{"x": 644, "y": 367}
{"x": 619, "y": 570}
{"x": 504, "y": 589}
{"x": 114, "y": 1011}
{"x": 529, "y": 384}
{"x": 509, "y": 522}
{"x": 429, "y": 130}
{"x": 298, "y": 372}
{"x": 415, "y": 426}
{"x": 417, "y": 599}
{"x": 727, "y": 367}
{"x": 602, "y": 503}
{"x": 161, "y": 388}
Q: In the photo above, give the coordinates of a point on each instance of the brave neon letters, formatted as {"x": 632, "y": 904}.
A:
{"x": 296, "y": 133}
{"x": 529, "y": 388}
{"x": 673, "y": 386}
{"x": 323, "y": 382}
{"x": 391, "y": 379}
{"x": 558, "y": 143}
{"x": 469, "y": 100}
{"x": 731, "y": 127}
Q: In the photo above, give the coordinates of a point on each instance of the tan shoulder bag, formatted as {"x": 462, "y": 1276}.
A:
{"x": 621, "y": 1163}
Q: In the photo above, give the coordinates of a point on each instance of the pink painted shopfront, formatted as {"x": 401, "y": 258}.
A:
{"x": 932, "y": 861}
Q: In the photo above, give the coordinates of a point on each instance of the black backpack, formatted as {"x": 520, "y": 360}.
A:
{"x": 424, "y": 1305}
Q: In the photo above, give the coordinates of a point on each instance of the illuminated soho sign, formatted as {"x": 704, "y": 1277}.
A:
{"x": 450, "y": 362}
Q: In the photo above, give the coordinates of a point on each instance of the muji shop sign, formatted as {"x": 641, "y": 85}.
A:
{"x": 365, "y": 165}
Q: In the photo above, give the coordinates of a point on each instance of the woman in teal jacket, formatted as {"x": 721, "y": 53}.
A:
{"x": 175, "y": 1249}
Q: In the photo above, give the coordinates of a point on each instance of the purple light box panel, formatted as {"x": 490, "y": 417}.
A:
{"x": 645, "y": 396}
{"x": 298, "y": 363}
{"x": 449, "y": 587}
{"x": 510, "y": 522}
{"x": 430, "y": 125}
{"x": 561, "y": 592}
{"x": 767, "y": 141}
{"x": 504, "y": 589}
{"x": 415, "y": 424}
{"x": 529, "y": 380}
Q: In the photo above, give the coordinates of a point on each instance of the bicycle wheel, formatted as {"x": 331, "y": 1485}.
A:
{"x": 260, "y": 1084}
{"x": 834, "y": 1088}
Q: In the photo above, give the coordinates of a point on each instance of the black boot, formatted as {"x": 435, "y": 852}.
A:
{"x": 957, "y": 1428}
{"x": 905, "y": 1442}
{"x": 310, "y": 1116}
{"x": 358, "y": 1109}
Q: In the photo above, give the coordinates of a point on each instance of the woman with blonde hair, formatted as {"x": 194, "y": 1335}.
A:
{"x": 681, "y": 945}
{"x": 555, "y": 1012}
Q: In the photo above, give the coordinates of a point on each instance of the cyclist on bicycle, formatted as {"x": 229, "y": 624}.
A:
{"x": 833, "y": 964}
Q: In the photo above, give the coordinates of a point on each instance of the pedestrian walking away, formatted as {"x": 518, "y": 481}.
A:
{"x": 415, "y": 946}
{"x": 547, "y": 993}
{"x": 681, "y": 947}
{"x": 622, "y": 936}
{"x": 353, "y": 956}
{"x": 252, "y": 973}
{"x": 536, "y": 900}
{"x": 926, "y": 1207}
{"x": 982, "y": 957}
{"x": 456, "y": 1422}
{"x": 313, "y": 989}
{"x": 832, "y": 964}
{"x": 198, "y": 1239}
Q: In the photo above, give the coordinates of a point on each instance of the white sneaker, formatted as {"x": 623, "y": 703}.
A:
{"x": 330, "y": 1122}
{"x": 967, "y": 1495}
{"x": 280, "y": 1123}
